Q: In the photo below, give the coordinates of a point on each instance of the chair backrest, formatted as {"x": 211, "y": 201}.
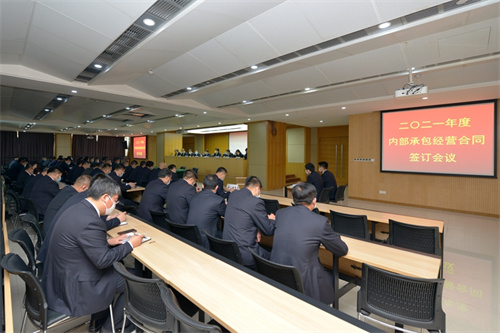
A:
{"x": 414, "y": 237}
{"x": 272, "y": 206}
{"x": 324, "y": 195}
{"x": 225, "y": 248}
{"x": 31, "y": 206}
{"x": 350, "y": 225}
{"x": 21, "y": 237}
{"x": 32, "y": 221}
{"x": 195, "y": 170}
{"x": 35, "y": 301}
{"x": 160, "y": 219}
{"x": 143, "y": 301}
{"x": 181, "y": 321}
{"x": 12, "y": 202}
{"x": 128, "y": 208}
{"x": 187, "y": 231}
{"x": 339, "y": 195}
{"x": 402, "y": 299}
{"x": 287, "y": 275}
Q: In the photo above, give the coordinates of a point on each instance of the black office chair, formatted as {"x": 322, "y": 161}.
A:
{"x": 187, "y": 231}
{"x": 127, "y": 208}
{"x": 180, "y": 321}
{"x": 33, "y": 223}
{"x": 287, "y": 275}
{"x": 31, "y": 207}
{"x": 195, "y": 170}
{"x": 12, "y": 205}
{"x": 339, "y": 195}
{"x": 160, "y": 219}
{"x": 35, "y": 302}
{"x": 414, "y": 237}
{"x": 401, "y": 299}
{"x": 21, "y": 237}
{"x": 324, "y": 196}
{"x": 143, "y": 305}
{"x": 350, "y": 225}
{"x": 225, "y": 248}
{"x": 272, "y": 206}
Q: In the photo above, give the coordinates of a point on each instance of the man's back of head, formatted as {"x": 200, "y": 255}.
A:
{"x": 210, "y": 182}
{"x": 304, "y": 194}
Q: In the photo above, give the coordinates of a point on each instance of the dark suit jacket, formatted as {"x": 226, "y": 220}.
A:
{"x": 76, "y": 198}
{"x": 88, "y": 171}
{"x": 75, "y": 173}
{"x": 220, "y": 190}
{"x": 154, "y": 174}
{"x": 134, "y": 175}
{"x": 205, "y": 211}
{"x": 14, "y": 170}
{"x": 54, "y": 206}
{"x": 22, "y": 178}
{"x": 128, "y": 171}
{"x": 298, "y": 235}
{"x": 124, "y": 187}
{"x": 43, "y": 192}
{"x": 78, "y": 276}
{"x": 153, "y": 198}
{"x": 143, "y": 178}
{"x": 28, "y": 187}
{"x": 315, "y": 179}
{"x": 329, "y": 181}
{"x": 245, "y": 214}
{"x": 179, "y": 197}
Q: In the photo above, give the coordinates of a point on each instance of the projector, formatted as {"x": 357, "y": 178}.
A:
{"x": 411, "y": 90}
{"x": 90, "y": 137}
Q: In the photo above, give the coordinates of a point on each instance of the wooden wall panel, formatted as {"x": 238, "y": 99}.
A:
{"x": 298, "y": 169}
{"x": 63, "y": 144}
{"x": 276, "y": 154}
{"x": 464, "y": 194}
{"x": 217, "y": 140}
{"x": 332, "y": 141}
{"x": 151, "y": 150}
{"x": 171, "y": 142}
{"x": 188, "y": 142}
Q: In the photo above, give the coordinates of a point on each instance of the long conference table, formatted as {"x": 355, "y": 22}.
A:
{"x": 230, "y": 293}
{"x": 390, "y": 258}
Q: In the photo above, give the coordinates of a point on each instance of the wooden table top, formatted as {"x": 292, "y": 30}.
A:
{"x": 372, "y": 215}
{"x": 135, "y": 189}
{"x": 236, "y": 299}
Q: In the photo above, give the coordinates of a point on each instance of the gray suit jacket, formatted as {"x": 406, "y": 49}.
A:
{"x": 298, "y": 235}
{"x": 78, "y": 277}
{"x": 245, "y": 214}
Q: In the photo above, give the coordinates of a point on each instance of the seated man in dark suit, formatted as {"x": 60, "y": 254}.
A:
{"x": 129, "y": 169}
{"x": 145, "y": 174}
{"x": 154, "y": 173}
{"x": 155, "y": 195}
{"x": 134, "y": 175}
{"x": 298, "y": 235}
{"x": 103, "y": 168}
{"x": 28, "y": 187}
{"x": 246, "y": 218}
{"x": 16, "y": 167}
{"x": 76, "y": 171}
{"x": 81, "y": 184}
{"x": 25, "y": 175}
{"x": 117, "y": 175}
{"x": 328, "y": 179}
{"x": 314, "y": 178}
{"x": 216, "y": 153}
{"x": 179, "y": 197}
{"x": 45, "y": 190}
{"x": 221, "y": 173}
{"x": 78, "y": 276}
{"x": 206, "y": 153}
{"x": 173, "y": 170}
{"x": 206, "y": 208}
{"x": 227, "y": 153}
{"x": 111, "y": 221}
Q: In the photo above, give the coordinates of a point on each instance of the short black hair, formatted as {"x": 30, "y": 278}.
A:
{"x": 150, "y": 163}
{"x": 143, "y": 163}
{"x": 164, "y": 173}
{"x": 221, "y": 169}
{"x": 120, "y": 167}
{"x": 190, "y": 174}
{"x": 303, "y": 193}
{"x": 134, "y": 162}
{"x": 210, "y": 182}
{"x": 54, "y": 170}
{"x": 253, "y": 181}
{"x": 323, "y": 164}
{"x": 171, "y": 166}
{"x": 310, "y": 167}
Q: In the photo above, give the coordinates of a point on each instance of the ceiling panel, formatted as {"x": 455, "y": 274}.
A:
{"x": 296, "y": 80}
{"x": 133, "y": 9}
{"x": 370, "y": 90}
{"x": 153, "y": 85}
{"x": 384, "y": 60}
{"x": 96, "y": 15}
{"x": 186, "y": 70}
{"x": 285, "y": 28}
{"x": 332, "y": 19}
{"x": 247, "y": 45}
{"x": 331, "y": 96}
{"x": 218, "y": 57}
{"x": 389, "y": 10}
{"x": 14, "y": 19}
{"x": 237, "y": 94}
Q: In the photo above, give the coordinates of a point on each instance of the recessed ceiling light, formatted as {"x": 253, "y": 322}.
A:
{"x": 46, "y": 110}
{"x": 220, "y": 123}
{"x": 204, "y": 112}
{"x": 74, "y": 91}
{"x": 254, "y": 67}
{"x": 248, "y": 119}
{"x": 177, "y": 115}
{"x": 343, "y": 108}
{"x": 149, "y": 22}
{"x": 321, "y": 121}
{"x": 197, "y": 125}
{"x": 99, "y": 66}
{"x": 307, "y": 89}
{"x": 286, "y": 115}
{"x": 188, "y": 88}
{"x": 384, "y": 25}
{"x": 59, "y": 98}
{"x": 425, "y": 97}
{"x": 128, "y": 108}
{"x": 244, "y": 101}
{"x": 78, "y": 126}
